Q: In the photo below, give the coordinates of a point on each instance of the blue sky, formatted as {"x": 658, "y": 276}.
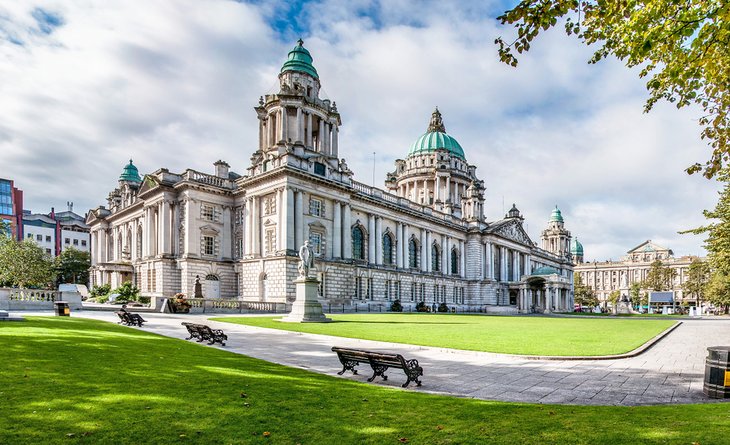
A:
{"x": 88, "y": 85}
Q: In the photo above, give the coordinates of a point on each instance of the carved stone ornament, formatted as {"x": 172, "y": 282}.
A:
{"x": 514, "y": 232}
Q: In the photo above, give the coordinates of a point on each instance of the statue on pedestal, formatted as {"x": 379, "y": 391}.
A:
{"x": 306, "y": 259}
{"x": 198, "y": 288}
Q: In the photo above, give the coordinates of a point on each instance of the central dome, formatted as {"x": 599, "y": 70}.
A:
{"x": 300, "y": 60}
{"x": 436, "y": 138}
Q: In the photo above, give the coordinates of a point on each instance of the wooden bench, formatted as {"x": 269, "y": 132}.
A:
{"x": 130, "y": 319}
{"x": 379, "y": 362}
{"x": 201, "y": 332}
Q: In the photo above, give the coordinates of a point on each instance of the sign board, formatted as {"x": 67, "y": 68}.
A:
{"x": 727, "y": 378}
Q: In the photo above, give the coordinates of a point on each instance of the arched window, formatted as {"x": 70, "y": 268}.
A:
{"x": 358, "y": 248}
{"x": 435, "y": 258}
{"x": 413, "y": 253}
{"x": 454, "y": 261}
{"x": 387, "y": 249}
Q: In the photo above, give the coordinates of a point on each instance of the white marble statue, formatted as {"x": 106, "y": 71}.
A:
{"x": 306, "y": 259}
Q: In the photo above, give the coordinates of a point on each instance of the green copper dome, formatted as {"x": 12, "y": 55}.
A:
{"x": 576, "y": 248}
{"x": 130, "y": 173}
{"x": 300, "y": 60}
{"x": 436, "y": 138}
{"x": 556, "y": 215}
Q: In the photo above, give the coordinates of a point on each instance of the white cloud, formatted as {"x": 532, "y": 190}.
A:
{"x": 173, "y": 85}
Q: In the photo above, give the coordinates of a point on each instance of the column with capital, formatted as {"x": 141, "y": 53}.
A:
{"x": 281, "y": 200}
{"x": 429, "y": 250}
{"x": 371, "y": 238}
{"x": 399, "y": 244}
{"x": 347, "y": 232}
{"x": 335, "y": 133}
{"x": 298, "y": 218}
{"x": 309, "y": 130}
{"x": 423, "y": 255}
{"x": 379, "y": 240}
{"x": 337, "y": 230}
{"x": 462, "y": 259}
{"x": 446, "y": 255}
{"x": 300, "y": 126}
{"x": 320, "y": 137}
{"x": 256, "y": 227}
{"x": 284, "y": 124}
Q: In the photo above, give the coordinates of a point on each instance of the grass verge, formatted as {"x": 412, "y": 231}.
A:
{"x": 509, "y": 335}
{"x": 74, "y": 381}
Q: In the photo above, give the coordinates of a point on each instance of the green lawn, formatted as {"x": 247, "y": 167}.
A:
{"x": 509, "y": 335}
{"x": 74, "y": 381}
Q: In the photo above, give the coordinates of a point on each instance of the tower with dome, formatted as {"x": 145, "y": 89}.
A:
{"x": 423, "y": 237}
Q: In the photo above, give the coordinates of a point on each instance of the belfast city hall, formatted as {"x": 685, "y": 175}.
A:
{"x": 422, "y": 237}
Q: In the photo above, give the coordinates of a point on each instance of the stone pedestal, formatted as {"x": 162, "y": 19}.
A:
{"x": 5, "y": 316}
{"x": 306, "y": 308}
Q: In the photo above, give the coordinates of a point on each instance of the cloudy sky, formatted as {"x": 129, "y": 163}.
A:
{"x": 87, "y": 85}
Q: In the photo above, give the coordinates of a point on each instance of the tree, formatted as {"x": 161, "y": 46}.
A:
{"x": 659, "y": 277}
{"x": 72, "y": 266}
{"x": 718, "y": 290}
{"x": 681, "y": 44}
{"x": 5, "y": 229}
{"x": 637, "y": 296}
{"x": 698, "y": 275}
{"x": 24, "y": 264}
{"x": 717, "y": 243}
{"x": 582, "y": 294}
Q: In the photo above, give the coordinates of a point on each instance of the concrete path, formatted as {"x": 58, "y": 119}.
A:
{"x": 670, "y": 372}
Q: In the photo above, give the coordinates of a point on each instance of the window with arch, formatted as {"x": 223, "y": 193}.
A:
{"x": 454, "y": 261}
{"x": 387, "y": 249}
{"x": 358, "y": 243}
{"x": 413, "y": 253}
{"x": 435, "y": 258}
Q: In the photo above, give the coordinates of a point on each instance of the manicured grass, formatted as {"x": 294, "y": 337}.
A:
{"x": 69, "y": 381}
{"x": 508, "y": 335}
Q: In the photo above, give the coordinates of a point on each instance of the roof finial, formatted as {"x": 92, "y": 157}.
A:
{"x": 436, "y": 124}
{"x": 300, "y": 42}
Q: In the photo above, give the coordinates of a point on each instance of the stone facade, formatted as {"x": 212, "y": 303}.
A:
{"x": 424, "y": 239}
{"x": 607, "y": 276}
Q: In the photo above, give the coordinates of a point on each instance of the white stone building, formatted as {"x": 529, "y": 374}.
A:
{"x": 605, "y": 277}
{"x": 425, "y": 238}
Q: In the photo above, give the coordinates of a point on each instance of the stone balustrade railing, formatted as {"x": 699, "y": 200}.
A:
{"x": 36, "y": 299}
{"x": 204, "y": 178}
{"x": 202, "y": 305}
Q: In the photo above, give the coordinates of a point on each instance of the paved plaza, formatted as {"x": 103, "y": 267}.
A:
{"x": 671, "y": 371}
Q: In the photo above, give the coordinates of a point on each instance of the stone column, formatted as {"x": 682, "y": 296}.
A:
{"x": 428, "y": 258}
{"x": 298, "y": 218}
{"x": 165, "y": 227}
{"x": 320, "y": 137}
{"x": 462, "y": 256}
{"x": 347, "y": 232}
{"x": 309, "y": 130}
{"x": 445, "y": 255}
{"x": 447, "y": 197}
{"x": 256, "y": 226}
{"x": 337, "y": 230}
{"x": 284, "y": 124}
{"x": 335, "y": 133}
{"x": 503, "y": 263}
{"x": 281, "y": 220}
{"x": 404, "y": 247}
{"x": 378, "y": 240}
{"x": 300, "y": 126}
{"x": 399, "y": 244}
{"x": 528, "y": 266}
{"x": 437, "y": 189}
{"x": 326, "y": 139}
{"x": 371, "y": 238}
{"x": 422, "y": 241}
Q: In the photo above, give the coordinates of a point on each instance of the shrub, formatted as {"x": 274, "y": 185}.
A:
{"x": 100, "y": 289}
{"x": 144, "y": 300}
{"x": 102, "y": 298}
{"x": 127, "y": 292}
{"x": 396, "y": 306}
{"x": 443, "y": 308}
{"x": 421, "y": 307}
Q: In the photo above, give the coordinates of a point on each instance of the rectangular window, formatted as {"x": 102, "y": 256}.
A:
{"x": 396, "y": 290}
{"x": 83, "y": 242}
{"x": 319, "y": 169}
{"x": 208, "y": 245}
{"x": 413, "y": 291}
{"x": 315, "y": 239}
{"x": 270, "y": 241}
{"x": 423, "y": 291}
{"x": 48, "y": 238}
{"x": 39, "y": 237}
{"x": 387, "y": 290}
{"x": 358, "y": 288}
{"x": 269, "y": 205}
{"x": 315, "y": 207}
{"x": 207, "y": 212}
{"x": 67, "y": 241}
{"x": 76, "y": 242}
{"x": 48, "y": 251}
{"x": 370, "y": 289}
{"x": 30, "y": 235}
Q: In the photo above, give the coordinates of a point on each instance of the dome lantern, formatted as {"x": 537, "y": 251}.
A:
{"x": 130, "y": 174}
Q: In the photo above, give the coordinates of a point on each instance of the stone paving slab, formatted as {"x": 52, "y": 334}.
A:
{"x": 670, "y": 372}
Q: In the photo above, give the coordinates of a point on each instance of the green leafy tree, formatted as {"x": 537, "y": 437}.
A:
{"x": 681, "y": 46}
{"x": 582, "y": 294}
{"x": 660, "y": 277}
{"x": 5, "y": 230}
{"x": 72, "y": 266}
{"x": 613, "y": 297}
{"x": 100, "y": 290}
{"x": 638, "y": 296}
{"x": 698, "y": 275}
{"x": 718, "y": 290}
{"x": 717, "y": 243}
{"x": 24, "y": 264}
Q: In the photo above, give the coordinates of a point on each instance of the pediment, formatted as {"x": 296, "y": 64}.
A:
{"x": 514, "y": 231}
